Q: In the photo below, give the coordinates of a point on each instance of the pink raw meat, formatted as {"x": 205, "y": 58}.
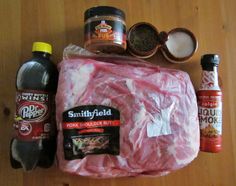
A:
{"x": 159, "y": 129}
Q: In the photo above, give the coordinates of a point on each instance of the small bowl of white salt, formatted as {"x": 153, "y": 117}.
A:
{"x": 178, "y": 45}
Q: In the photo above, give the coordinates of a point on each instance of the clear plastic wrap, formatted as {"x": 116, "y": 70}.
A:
{"x": 158, "y": 116}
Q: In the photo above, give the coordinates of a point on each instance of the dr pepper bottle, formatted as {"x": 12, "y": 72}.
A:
{"x": 210, "y": 105}
{"x": 34, "y": 140}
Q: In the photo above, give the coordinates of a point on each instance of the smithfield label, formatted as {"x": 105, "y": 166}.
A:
{"x": 89, "y": 114}
{"x": 32, "y": 119}
{"x": 91, "y": 129}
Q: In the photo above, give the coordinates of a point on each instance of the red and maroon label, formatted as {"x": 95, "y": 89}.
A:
{"x": 109, "y": 30}
{"x": 32, "y": 120}
{"x": 210, "y": 119}
{"x": 91, "y": 124}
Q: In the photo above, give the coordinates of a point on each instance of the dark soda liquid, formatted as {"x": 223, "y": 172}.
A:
{"x": 37, "y": 74}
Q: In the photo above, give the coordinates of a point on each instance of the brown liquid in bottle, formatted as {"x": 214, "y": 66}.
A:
{"x": 34, "y": 140}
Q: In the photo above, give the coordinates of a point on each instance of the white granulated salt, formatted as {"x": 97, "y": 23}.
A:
{"x": 180, "y": 44}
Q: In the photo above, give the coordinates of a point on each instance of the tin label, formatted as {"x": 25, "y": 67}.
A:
{"x": 32, "y": 120}
{"x": 105, "y": 30}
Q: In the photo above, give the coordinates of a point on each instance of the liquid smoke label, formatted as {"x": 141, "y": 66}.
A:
{"x": 210, "y": 115}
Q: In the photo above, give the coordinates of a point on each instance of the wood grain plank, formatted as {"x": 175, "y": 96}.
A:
{"x": 60, "y": 22}
{"x": 229, "y": 27}
{"x": 9, "y": 51}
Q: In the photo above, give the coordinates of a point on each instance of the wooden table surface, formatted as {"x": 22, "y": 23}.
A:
{"x": 61, "y": 22}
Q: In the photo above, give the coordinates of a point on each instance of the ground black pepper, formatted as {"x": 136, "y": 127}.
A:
{"x": 143, "y": 38}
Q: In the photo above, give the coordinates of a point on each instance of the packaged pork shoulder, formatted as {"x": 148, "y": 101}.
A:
{"x": 120, "y": 116}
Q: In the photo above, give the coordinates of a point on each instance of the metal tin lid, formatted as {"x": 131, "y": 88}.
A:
{"x": 180, "y": 45}
{"x": 142, "y": 40}
{"x": 103, "y": 11}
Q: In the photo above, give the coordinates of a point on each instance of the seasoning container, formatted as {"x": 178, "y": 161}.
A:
{"x": 142, "y": 40}
{"x": 210, "y": 105}
{"x": 178, "y": 45}
{"x": 105, "y": 29}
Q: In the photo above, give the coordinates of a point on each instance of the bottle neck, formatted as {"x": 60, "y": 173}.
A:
{"x": 41, "y": 55}
{"x": 210, "y": 79}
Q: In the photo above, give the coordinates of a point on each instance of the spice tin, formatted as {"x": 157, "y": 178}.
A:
{"x": 105, "y": 29}
{"x": 142, "y": 40}
{"x": 178, "y": 45}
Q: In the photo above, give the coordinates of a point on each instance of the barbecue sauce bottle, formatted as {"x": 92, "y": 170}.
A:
{"x": 34, "y": 140}
{"x": 210, "y": 105}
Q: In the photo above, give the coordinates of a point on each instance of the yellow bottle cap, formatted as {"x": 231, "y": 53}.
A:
{"x": 42, "y": 47}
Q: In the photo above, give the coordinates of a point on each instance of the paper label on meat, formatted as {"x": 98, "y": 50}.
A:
{"x": 161, "y": 123}
{"x": 91, "y": 129}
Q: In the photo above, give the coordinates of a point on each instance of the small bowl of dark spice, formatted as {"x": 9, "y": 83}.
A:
{"x": 142, "y": 40}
